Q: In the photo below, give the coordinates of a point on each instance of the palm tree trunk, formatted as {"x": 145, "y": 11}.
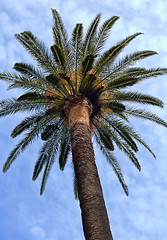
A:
{"x": 94, "y": 215}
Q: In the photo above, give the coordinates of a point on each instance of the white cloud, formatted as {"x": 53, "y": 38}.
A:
{"x": 38, "y": 233}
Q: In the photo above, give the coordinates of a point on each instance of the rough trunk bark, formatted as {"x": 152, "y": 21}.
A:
{"x": 94, "y": 214}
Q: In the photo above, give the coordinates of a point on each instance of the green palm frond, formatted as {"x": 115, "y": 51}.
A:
{"x": 121, "y": 115}
{"x": 10, "y": 78}
{"x": 59, "y": 57}
{"x": 25, "y": 124}
{"x": 28, "y": 70}
{"x": 27, "y": 83}
{"x": 51, "y": 129}
{"x": 145, "y": 114}
{"x": 137, "y": 97}
{"x": 122, "y": 82}
{"x": 116, "y": 107}
{"x": 104, "y": 138}
{"x": 114, "y": 163}
{"x": 60, "y": 33}
{"x": 12, "y": 106}
{"x": 120, "y": 128}
{"x": 85, "y": 67}
{"x": 55, "y": 86}
{"x": 40, "y": 163}
{"x": 46, "y": 157}
{"x": 15, "y": 152}
{"x": 21, "y": 146}
{"x": 90, "y": 38}
{"x": 61, "y": 37}
{"x": 64, "y": 148}
{"x": 77, "y": 44}
{"x": 123, "y": 146}
{"x": 37, "y": 49}
{"x": 75, "y": 187}
{"x": 87, "y": 64}
{"x": 51, "y": 151}
{"x": 132, "y": 59}
{"x": 89, "y": 81}
{"x": 132, "y": 133}
{"x": 129, "y": 60}
{"x": 110, "y": 55}
{"x": 104, "y": 33}
{"x": 131, "y": 155}
{"x": 139, "y": 72}
{"x": 136, "y": 136}
{"x": 33, "y": 96}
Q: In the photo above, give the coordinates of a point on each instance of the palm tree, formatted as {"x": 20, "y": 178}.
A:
{"x": 76, "y": 92}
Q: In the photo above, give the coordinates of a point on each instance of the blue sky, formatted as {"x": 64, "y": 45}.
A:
{"x": 24, "y": 214}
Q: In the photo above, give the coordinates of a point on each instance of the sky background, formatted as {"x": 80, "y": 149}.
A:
{"x": 24, "y": 214}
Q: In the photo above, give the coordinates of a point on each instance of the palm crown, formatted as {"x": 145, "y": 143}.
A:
{"x": 76, "y": 68}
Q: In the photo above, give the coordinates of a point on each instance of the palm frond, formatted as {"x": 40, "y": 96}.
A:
{"x": 85, "y": 68}
{"x": 75, "y": 187}
{"x": 10, "y": 78}
{"x": 104, "y": 33}
{"x": 21, "y": 146}
{"x": 120, "y": 128}
{"x": 41, "y": 162}
{"x": 142, "y": 73}
{"x": 64, "y": 148}
{"x": 51, "y": 151}
{"x": 137, "y": 97}
{"x": 122, "y": 82}
{"x": 123, "y": 146}
{"x": 129, "y": 60}
{"x": 87, "y": 64}
{"x": 56, "y": 85}
{"x": 61, "y": 37}
{"x": 104, "y": 138}
{"x": 28, "y": 70}
{"x": 25, "y": 124}
{"x": 59, "y": 57}
{"x": 48, "y": 131}
{"x": 114, "y": 163}
{"x": 145, "y": 114}
{"x": 88, "y": 44}
{"x": 11, "y": 106}
{"x": 26, "y": 83}
{"x": 37, "y": 49}
{"x": 116, "y": 106}
{"x": 128, "y": 151}
{"x": 76, "y": 44}
{"x": 110, "y": 55}
{"x": 29, "y": 84}
{"x": 33, "y": 96}
{"x": 46, "y": 158}
{"x": 133, "y": 134}
{"x": 136, "y": 136}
